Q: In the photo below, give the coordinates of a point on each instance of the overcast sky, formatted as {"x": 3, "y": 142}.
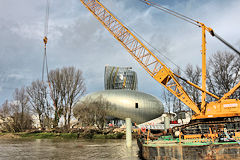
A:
{"x": 77, "y": 39}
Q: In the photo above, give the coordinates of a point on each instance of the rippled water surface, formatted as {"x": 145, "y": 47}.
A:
{"x": 67, "y": 149}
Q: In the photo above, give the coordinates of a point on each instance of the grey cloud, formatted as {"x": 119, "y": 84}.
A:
{"x": 77, "y": 39}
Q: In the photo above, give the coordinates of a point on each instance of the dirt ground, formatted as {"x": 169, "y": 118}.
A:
{"x": 8, "y": 136}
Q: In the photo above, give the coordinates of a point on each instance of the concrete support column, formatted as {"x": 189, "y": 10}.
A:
{"x": 128, "y": 132}
{"x": 166, "y": 123}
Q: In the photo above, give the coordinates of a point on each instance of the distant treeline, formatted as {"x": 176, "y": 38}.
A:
{"x": 48, "y": 101}
{"x": 223, "y": 73}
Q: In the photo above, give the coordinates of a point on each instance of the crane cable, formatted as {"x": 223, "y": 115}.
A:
{"x": 190, "y": 20}
{"x": 174, "y": 13}
{"x": 45, "y": 40}
{"x": 45, "y": 64}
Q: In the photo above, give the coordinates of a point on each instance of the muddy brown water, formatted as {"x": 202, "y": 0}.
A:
{"x": 67, "y": 149}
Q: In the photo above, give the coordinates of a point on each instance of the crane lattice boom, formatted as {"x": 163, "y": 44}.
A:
{"x": 140, "y": 52}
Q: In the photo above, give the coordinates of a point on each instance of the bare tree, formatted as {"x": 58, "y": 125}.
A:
{"x": 177, "y": 103}
{"x": 21, "y": 106}
{"x": 38, "y": 99}
{"x": 67, "y": 85}
{"x": 84, "y": 112}
{"x": 172, "y": 103}
{"x": 55, "y": 80}
{"x": 20, "y": 111}
{"x": 101, "y": 106}
{"x": 167, "y": 97}
{"x": 223, "y": 74}
{"x": 74, "y": 88}
{"x": 194, "y": 76}
{"x": 5, "y": 117}
{"x": 5, "y": 110}
{"x": 92, "y": 112}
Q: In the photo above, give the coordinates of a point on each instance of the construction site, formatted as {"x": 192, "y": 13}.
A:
{"x": 211, "y": 127}
{"x": 213, "y": 123}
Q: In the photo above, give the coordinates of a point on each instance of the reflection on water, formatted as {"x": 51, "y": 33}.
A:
{"x": 67, "y": 149}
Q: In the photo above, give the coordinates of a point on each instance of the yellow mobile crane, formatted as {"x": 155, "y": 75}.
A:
{"x": 223, "y": 111}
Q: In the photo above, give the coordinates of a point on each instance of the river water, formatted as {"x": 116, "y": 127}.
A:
{"x": 67, "y": 149}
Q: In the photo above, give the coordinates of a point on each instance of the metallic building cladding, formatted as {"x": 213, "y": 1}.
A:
{"x": 141, "y": 107}
{"x": 125, "y": 102}
{"x": 120, "y": 78}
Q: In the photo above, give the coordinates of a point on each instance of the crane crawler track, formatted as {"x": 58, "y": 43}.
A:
{"x": 202, "y": 126}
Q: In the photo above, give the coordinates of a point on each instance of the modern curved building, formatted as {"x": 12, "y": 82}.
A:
{"x": 138, "y": 106}
{"x": 120, "y": 85}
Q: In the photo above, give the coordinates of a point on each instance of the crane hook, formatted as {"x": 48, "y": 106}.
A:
{"x": 45, "y": 39}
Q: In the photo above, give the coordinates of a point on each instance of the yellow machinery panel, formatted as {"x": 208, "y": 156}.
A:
{"x": 224, "y": 108}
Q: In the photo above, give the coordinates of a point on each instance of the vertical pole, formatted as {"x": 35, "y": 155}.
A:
{"x": 128, "y": 132}
{"x": 180, "y": 136}
{"x": 166, "y": 123}
{"x": 211, "y": 134}
{"x": 148, "y": 134}
{"x": 203, "y": 66}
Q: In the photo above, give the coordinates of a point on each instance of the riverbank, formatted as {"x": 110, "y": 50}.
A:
{"x": 50, "y": 135}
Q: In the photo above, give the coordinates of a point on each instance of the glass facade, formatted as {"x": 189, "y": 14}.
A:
{"x": 120, "y": 78}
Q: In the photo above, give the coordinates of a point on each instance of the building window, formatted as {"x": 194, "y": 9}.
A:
{"x": 136, "y": 105}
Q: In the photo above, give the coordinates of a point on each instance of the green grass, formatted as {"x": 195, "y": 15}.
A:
{"x": 69, "y": 135}
{"x": 48, "y": 135}
{"x": 108, "y": 136}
